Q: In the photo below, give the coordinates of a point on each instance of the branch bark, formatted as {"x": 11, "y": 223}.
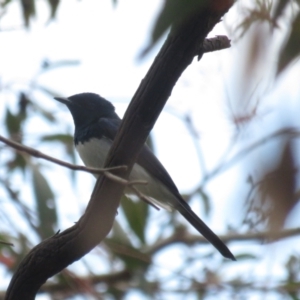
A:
{"x": 56, "y": 253}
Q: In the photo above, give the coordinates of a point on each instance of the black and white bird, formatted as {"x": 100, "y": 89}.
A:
{"x": 96, "y": 125}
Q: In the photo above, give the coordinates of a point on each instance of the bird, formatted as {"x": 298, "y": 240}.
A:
{"x": 96, "y": 125}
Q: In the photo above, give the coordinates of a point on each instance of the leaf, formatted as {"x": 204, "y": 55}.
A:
{"x": 28, "y": 10}
{"x": 206, "y": 202}
{"x": 245, "y": 256}
{"x": 136, "y": 214}
{"x": 120, "y": 244}
{"x": 53, "y": 7}
{"x": 46, "y": 207}
{"x": 46, "y": 114}
{"x": 23, "y": 103}
{"x": 64, "y": 138}
{"x": 132, "y": 257}
{"x": 292, "y": 48}
{"x": 281, "y": 5}
{"x": 277, "y": 191}
{"x": 18, "y": 162}
{"x": 50, "y": 65}
{"x": 174, "y": 12}
{"x": 119, "y": 235}
{"x": 114, "y": 2}
{"x": 13, "y": 123}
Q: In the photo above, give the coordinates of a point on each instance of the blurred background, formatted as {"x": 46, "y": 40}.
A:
{"x": 228, "y": 136}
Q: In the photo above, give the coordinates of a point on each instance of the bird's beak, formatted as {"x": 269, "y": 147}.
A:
{"x": 63, "y": 100}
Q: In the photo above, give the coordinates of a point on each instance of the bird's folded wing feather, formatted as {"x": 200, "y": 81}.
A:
{"x": 146, "y": 158}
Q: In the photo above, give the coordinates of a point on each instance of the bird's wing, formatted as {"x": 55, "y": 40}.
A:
{"x": 152, "y": 165}
{"x": 146, "y": 158}
{"x": 149, "y": 162}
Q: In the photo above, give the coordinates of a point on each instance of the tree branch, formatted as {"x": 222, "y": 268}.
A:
{"x": 217, "y": 43}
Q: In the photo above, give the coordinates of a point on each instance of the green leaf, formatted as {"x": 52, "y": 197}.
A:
{"x": 28, "y": 10}
{"x": 136, "y": 214}
{"x": 245, "y": 256}
{"x": 206, "y": 201}
{"x": 53, "y": 7}
{"x": 120, "y": 244}
{"x": 45, "y": 202}
{"x": 46, "y": 114}
{"x": 119, "y": 235}
{"x": 64, "y": 138}
{"x": 50, "y": 65}
{"x": 174, "y": 12}
{"x": 292, "y": 48}
{"x": 13, "y": 123}
{"x": 18, "y": 162}
{"x": 132, "y": 257}
{"x": 281, "y": 5}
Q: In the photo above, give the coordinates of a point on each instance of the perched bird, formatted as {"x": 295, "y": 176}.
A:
{"x": 96, "y": 125}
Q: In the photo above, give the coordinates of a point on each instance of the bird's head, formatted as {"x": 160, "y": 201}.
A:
{"x": 87, "y": 108}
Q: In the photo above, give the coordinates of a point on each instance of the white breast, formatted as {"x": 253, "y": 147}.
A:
{"x": 94, "y": 152}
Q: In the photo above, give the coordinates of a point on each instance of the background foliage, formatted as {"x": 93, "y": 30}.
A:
{"x": 263, "y": 143}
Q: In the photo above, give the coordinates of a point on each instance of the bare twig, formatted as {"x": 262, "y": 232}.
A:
{"x": 216, "y": 43}
{"x": 6, "y": 243}
{"x": 190, "y": 239}
{"x": 38, "y": 154}
{"x": 104, "y": 171}
{"x": 219, "y": 42}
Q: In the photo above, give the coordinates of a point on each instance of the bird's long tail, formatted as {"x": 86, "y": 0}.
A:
{"x": 192, "y": 218}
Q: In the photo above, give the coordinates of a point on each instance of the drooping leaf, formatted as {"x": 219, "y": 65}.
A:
{"x": 136, "y": 214}
{"x": 131, "y": 256}
{"x": 13, "y": 123}
{"x": 28, "y": 10}
{"x": 48, "y": 65}
{"x": 120, "y": 244}
{"x": 46, "y": 207}
{"x": 18, "y": 162}
{"x": 291, "y": 50}
{"x": 206, "y": 201}
{"x": 281, "y": 5}
{"x": 118, "y": 235}
{"x": 173, "y": 12}
{"x": 67, "y": 141}
{"x": 245, "y": 256}
{"x": 23, "y": 104}
{"x": 53, "y": 7}
{"x": 45, "y": 113}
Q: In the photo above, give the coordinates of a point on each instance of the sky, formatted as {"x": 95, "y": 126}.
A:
{"x": 107, "y": 40}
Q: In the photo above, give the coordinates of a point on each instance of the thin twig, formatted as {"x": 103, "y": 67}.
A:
{"x": 216, "y": 43}
{"x": 219, "y": 42}
{"x": 6, "y": 243}
{"x": 191, "y": 239}
{"x": 38, "y": 154}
